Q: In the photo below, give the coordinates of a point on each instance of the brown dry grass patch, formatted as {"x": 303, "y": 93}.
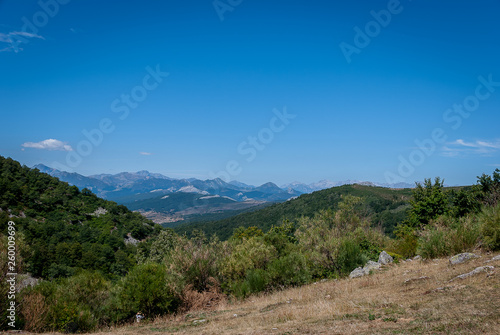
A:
{"x": 381, "y": 303}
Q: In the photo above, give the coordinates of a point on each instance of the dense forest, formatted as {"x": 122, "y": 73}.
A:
{"x": 97, "y": 264}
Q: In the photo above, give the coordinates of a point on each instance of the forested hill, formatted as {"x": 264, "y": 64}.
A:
{"x": 61, "y": 229}
{"x": 384, "y": 206}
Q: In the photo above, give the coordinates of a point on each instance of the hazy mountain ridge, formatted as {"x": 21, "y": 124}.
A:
{"x": 146, "y": 192}
{"x": 325, "y": 184}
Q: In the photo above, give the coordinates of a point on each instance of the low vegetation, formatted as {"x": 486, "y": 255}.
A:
{"x": 407, "y": 298}
{"x": 168, "y": 274}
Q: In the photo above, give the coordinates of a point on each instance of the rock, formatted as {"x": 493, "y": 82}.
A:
{"x": 99, "y": 211}
{"x": 496, "y": 258}
{"x": 371, "y": 265}
{"x": 475, "y": 272}
{"x": 461, "y": 258}
{"x": 411, "y": 280}
{"x": 363, "y": 271}
{"x": 417, "y": 258}
{"x": 385, "y": 258}
{"x": 130, "y": 240}
{"x": 196, "y": 322}
{"x": 25, "y": 281}
{"x": 358, "y": 272}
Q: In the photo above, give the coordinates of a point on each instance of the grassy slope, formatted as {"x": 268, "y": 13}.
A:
{"x": 376, "y": 200}
{"x": 377, "y": 304}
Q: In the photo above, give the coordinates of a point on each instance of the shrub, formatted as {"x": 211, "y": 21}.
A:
{"x": 490, "y": 227}
{"x": 208, "y": 299}
{"x": 34, "y": 311}
{"x": 349, "y": 256}
{"x": 193, "y": 263}
{"x": 144, "y": 289}
{"x": 75, "y": 304}
{"x": 251, "y": 253}
{"x": 290, "y": 270}
{"x": 406, "y": 241}
{"x": 258, "y": 280}
{"x": 370, "y": 241}
{"x": 446, "y": 236}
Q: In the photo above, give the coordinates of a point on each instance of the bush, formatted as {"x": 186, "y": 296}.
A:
{"x": 34, "y": 311}
{"x": 447, "y": 236}
{"x": 349, "y": 257}
{"x": 490, "y": 227}
{"x": 75, "y": 304}
{"x": 370, "y": 241}
{"x": 249, "y": 254}
{"x": 290, "y": 270}
{"x": 406, "y": 241}
{"x": 193, "y": 263}
{"x": 144, "y": 289}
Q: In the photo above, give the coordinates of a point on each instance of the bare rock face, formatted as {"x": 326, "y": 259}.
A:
{"x": 385, "y": 258}
{"x": 461, "y": 258}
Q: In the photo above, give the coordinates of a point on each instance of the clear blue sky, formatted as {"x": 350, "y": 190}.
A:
{"x": 66, "y": 70}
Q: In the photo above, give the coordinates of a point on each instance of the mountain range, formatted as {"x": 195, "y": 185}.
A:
{"x": 149, "y": 193}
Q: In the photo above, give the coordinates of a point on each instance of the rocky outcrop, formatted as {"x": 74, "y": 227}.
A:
{"x": 371, "y": 266}
{"x": 496, "y": 258}
{"x": 476, "y": 271}
{"x": 358, "y": 272}
{"x": 384, "y": 258}
{"x": 130, "y": 240}
{"x": 413, "y": 280}
{"x": 99, "y": 211}
{"x": 461, "y": 258}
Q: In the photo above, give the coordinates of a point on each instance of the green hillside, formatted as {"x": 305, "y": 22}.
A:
{"x": 384, "y": 206}
{"x": 66, "y": 230}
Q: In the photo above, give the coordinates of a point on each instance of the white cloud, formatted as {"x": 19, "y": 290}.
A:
{"x": 464, "y": 148}
{"x": 50, "y": 144}
{"x": 145, "y": 153}
{"x": 15, "y": 38}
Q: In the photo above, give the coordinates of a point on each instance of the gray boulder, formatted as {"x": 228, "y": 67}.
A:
{"x": 358, "y": 272}
{"x": 476, "y": 271}
{"x": 496, "y": 258}
{"x": 371, "y": 265}
{"x": 385, "y": 258}
{"x": 461, "y": 258}
{"x": 363, "y": 271}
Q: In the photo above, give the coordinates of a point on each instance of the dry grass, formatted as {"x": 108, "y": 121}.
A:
{"x": 381, "y": 303}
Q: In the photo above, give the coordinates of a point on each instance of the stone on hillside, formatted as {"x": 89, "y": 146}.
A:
{"x": 475, "y": 272}
{"x": 385, "y": 258}
{"x": 363, "y": 271}
{"x": 130, "y": 240}
{"x": 417, "y": 258}
{"x": 197, "y": 322}
{"x": 496, "y": 258}
{"x": 358, "y": 272}
{"x": 371, "y": 265}
{"x": 411, "y": 280}
{"x": 461, "y": 258}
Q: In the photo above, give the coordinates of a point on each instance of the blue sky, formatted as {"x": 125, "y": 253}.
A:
{"x": 256, "y": 90}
